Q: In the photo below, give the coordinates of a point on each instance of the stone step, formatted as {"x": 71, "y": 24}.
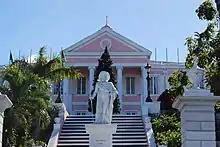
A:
{"x": 82, "y": 127}
{"x": 113, "y": 116}
{"x": 116, "y": 118}
{"x": 118, "y": 124}
{"x": 118, "y": 130}
{"x": 130, "y": 131}
{"x": 114, "y": 137}
{"x": 114, "y": 145}
{"x": 114, "y": 140}
{"x": 116, "y": 134}
{"x": 91, "y": 121}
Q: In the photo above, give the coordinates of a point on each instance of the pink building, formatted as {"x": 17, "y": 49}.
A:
{"x": 129, "y": 61}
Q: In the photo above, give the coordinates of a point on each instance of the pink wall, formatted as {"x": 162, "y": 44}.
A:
{"x": 124, "y": 99}
{"x": 131, "y": 99}
{"x": 124, "y": 107}
{"x": 80, "y": 98}
{"x": 130, "y": 70}
{"x": 94, "y": 45}
{"x": 80, "y": 107}
{"x": 115, "y": 60}
{"x": 131, "y": 107}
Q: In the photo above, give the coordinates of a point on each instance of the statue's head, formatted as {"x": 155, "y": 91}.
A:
{"x": 104, "y": 76}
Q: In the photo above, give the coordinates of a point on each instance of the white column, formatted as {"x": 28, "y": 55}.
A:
{"x": 166, "y": 83}
{"x": 119, "y": 83}
{"x": 91, "y": 78}
{"x": 67, "y": 102}
{"x": 4, "y": 104}
{"x": 144, "y": 83}
{"x": 161, "y": 83}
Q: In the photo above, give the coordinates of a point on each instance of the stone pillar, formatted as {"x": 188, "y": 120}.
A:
{"x": 197, "y": 111}
{"x": 4, "y": 104}
{"x": 119, "y": 83}
{"x": 91, "y": 78}
{"x": 102, "y": 137}
{"x": 144, "y": 83}
{"x": 197, "y": 118}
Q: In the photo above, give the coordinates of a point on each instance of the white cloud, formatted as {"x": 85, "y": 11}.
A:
{"x": 32, "y": 58}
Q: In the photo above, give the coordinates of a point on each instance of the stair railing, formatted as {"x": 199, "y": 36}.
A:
{"x": 62, "y": 114}
{"x": 147, "y": 127}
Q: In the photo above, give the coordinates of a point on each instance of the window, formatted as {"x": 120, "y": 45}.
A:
{"x": 154, "y": 85}
{"x": 56, "y": 88}
{"x": 81, "y": 86}
{"x": 130, "y": 85}
{"x": 80, "y": 113}
{"x": 131, "y": 113}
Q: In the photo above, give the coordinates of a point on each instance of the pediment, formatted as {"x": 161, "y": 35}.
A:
{"x": 106, "y": 37}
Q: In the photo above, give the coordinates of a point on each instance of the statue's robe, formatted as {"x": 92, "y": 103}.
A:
{"x": 106, "y": 94}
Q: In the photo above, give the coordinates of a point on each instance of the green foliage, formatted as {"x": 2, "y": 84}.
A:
{"x": 105, "y": 64}
{"x": 53, "y": 69}
{"x": 28, "y": 104}
{"x": 32, "y": 142}
{"x": 206, "y": 11}
{"x": 166, "y": 101}
{"x": 178, "y": 80}
{"x": 206, "y": 46}
{"x": 28, "y": 89}
{"x": 167, "y": 129}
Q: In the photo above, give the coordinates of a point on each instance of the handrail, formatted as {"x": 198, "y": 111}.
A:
{"x": 63, "y": 113}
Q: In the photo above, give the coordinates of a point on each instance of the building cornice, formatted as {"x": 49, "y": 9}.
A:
{"x": 72, "y": 54}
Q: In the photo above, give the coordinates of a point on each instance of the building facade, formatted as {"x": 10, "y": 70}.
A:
{"x": 129, "y": 60}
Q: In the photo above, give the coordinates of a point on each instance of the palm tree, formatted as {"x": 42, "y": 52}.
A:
{"x": 28, "y": 88}
{"x": 53, "y": 69}
{"x": 28, "y": 104}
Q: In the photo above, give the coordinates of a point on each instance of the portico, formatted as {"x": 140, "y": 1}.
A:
{"x": 129, "y": 60}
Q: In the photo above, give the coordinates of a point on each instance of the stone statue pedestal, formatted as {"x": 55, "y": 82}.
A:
{"x": 100, "y": 135}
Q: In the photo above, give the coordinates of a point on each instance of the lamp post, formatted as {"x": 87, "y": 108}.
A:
{"x": 148, "y": 99}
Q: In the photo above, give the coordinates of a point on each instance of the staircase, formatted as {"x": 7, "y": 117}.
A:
{"x": 130, "y": 131}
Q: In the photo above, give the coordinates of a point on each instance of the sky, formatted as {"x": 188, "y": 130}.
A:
{"x": 31, "y": 24}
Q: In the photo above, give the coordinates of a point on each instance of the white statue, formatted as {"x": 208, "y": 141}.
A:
{"x": 106, "y": 94}
{"x": 194, "y": 74}
{"x": 195, "y": 62}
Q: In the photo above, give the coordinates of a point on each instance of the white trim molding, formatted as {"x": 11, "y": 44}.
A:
{"x": 109, "y": 31}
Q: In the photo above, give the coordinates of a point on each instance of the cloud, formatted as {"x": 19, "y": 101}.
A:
{"x": 31, "y": 58}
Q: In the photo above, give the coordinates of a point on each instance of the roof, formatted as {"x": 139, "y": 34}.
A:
{"x": 107, "y": 30}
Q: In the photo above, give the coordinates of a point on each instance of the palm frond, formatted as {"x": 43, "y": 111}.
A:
{"x": 22, "y": 64}
{"x": 64, "y": 72}
{"x": 42, "y": 52}
{"x": 51, "y": 65}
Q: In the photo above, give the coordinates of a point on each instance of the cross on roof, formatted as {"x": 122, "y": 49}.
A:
{"x": 106, "y": 20}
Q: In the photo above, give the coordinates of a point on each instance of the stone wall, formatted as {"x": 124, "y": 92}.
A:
{"x": 1, "y": 128}
{"x": 4, "y": 104}
{"x": 197, "y": 120}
